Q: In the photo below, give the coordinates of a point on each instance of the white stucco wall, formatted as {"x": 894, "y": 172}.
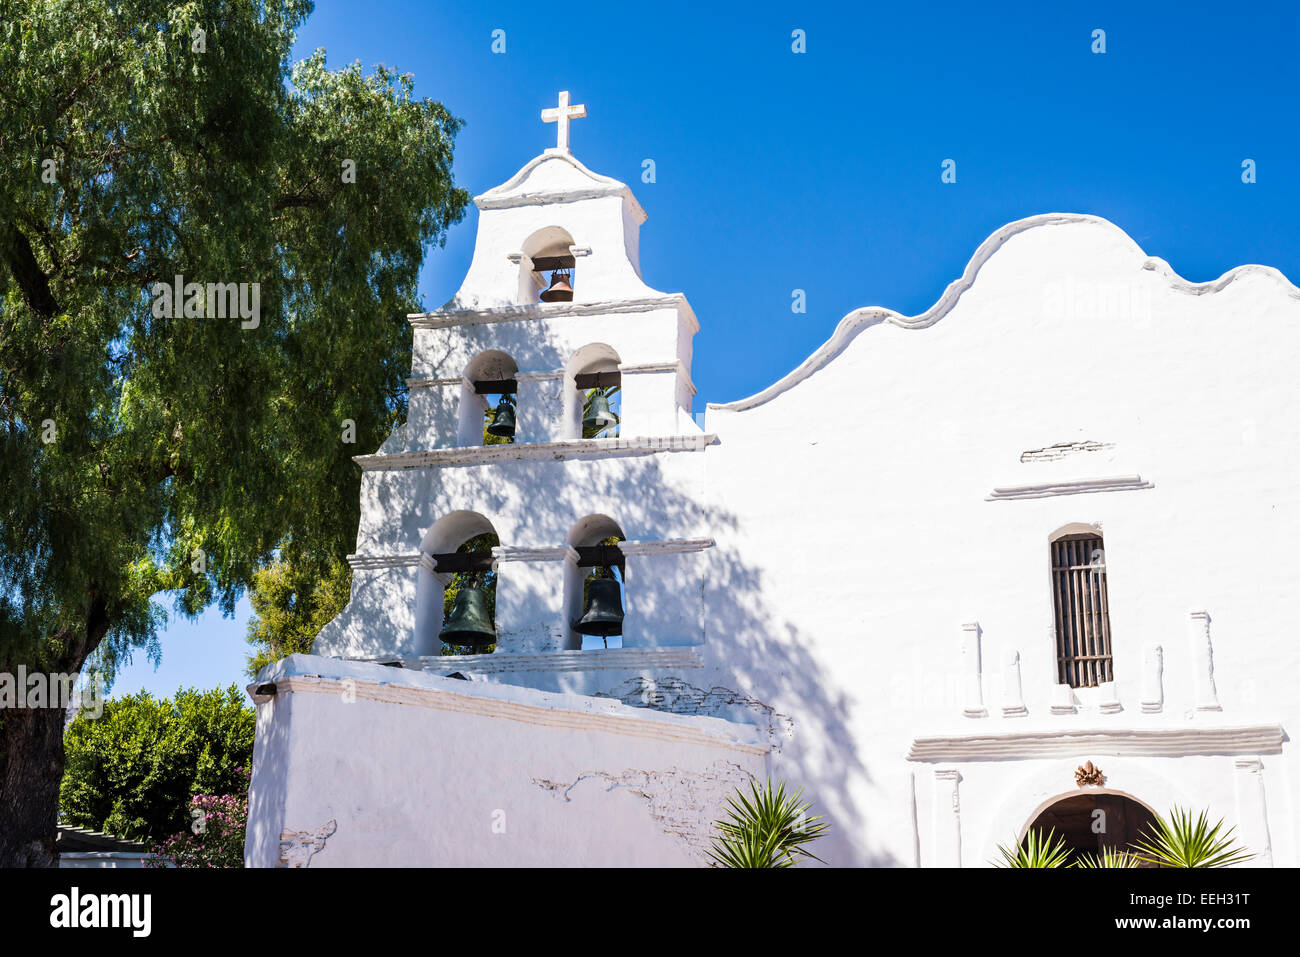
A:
{"x": 844, "y": 553}
{"x": 362, "y": 765}
{"x": 1188, "y": 387}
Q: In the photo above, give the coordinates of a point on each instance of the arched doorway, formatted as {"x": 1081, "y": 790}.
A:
{"x": 1091, "y": 821}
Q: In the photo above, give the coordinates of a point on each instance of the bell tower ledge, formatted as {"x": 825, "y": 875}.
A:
{"x": 568, "y": 448}
{"x": 451, "y": 318}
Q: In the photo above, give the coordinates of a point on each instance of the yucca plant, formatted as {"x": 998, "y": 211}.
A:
{"x": 766, "y": 829}
{"x": 1109, "y": 857}
{"x": 1037, "y": 850}
{"x": 1178, "y": 841}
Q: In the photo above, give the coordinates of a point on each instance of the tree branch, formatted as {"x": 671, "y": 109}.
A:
{"x": 32, "y": 281}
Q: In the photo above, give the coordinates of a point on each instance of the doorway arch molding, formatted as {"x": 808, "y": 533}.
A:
{"x": 1065, "y": 795}
{"x": 1050, "y": 781}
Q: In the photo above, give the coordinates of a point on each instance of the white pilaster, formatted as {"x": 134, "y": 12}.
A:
{"x": 1153, "y": 688}
{"x": 538, "y": 406}
{"x": 1013, "y": 699}
{"x": 1207, "y": 697}
{"x": 947, "y": 818}
{"x": 1252, "y": 811}
{"x": 972, "y": 672}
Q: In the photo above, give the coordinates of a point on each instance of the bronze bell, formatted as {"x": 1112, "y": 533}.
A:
{"x": 503, "y": 420}
{"x": 469, "y": 622}
{"x": 599, "y": 416}
{"x": 603, "y": 614}
{"x": 560, "y": 290}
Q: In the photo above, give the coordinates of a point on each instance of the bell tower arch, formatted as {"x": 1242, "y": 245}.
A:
{"x": 587, "y": 607}
{"x": 548, "y": 250}
{"x": 445, "y": 538}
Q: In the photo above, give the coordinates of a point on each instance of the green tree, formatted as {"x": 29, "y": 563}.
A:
{"x": 133, "y": 770}
{"x": 148, "y": 450}
{"x": 291, "y": 604}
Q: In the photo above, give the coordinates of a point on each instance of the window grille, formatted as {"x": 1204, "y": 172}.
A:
{"x": 1082, "y": 619}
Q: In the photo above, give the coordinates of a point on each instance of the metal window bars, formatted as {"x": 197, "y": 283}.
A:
{"x": 1083, "y": 649}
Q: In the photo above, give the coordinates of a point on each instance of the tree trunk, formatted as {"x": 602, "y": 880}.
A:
{"x": 31, "y": 769}
{"x": 32, "y": 757}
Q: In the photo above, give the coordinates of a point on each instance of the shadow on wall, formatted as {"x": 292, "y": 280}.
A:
{"x": 268, "y": 783}
{"x": 755, "y": 650}
{"x": 758, "y": 668}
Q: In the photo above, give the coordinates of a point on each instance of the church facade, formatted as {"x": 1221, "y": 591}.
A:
{"x": 1038, "y": 572}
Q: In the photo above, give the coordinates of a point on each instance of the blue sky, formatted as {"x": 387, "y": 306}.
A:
{"x": 821, "y": 171}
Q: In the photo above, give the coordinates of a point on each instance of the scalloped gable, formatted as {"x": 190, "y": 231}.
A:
{"x": 864, "y": 318}
{"x": 556, "y": 177}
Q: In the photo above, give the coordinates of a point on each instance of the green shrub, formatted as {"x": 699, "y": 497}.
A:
{"x": 133, "y": 770}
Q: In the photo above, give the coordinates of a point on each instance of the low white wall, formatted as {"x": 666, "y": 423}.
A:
{"x": 363, "y": 765}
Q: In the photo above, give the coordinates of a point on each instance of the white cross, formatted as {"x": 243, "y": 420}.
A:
{"x": 562, "y": 114}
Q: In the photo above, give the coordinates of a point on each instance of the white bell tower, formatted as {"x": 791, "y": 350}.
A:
{"x": 554, "y": 214}
{"x": 552, "y": 306}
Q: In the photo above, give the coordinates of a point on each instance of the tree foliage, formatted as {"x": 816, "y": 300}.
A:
{"x": 145, "y": 451}
{"x": 291, "y": 604}
{"x": 133, "y": 770}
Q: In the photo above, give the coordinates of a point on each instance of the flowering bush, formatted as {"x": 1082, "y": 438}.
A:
{"x": 215, "y": 837}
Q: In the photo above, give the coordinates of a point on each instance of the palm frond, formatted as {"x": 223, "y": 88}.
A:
{"x": 1178, "y": 841}
{"x": 766, "y": 828}
{"x": 1037, "y": 850}
{"x": 1109, "y": 857}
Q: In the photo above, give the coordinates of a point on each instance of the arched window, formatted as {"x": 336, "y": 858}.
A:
{"x": 1079, "y": 596}
{"x": 594, "y": 587}
{"x": 487, "y": 400}
{"x": 457, "y": 560}
{"x": 593, "y": 393}
{"x": 547, "y": 269}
